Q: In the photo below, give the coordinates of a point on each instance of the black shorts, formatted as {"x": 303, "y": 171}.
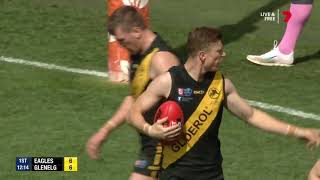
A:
{"x": 174, "y": 174}
{"x": 149, "y": 160}
{"x": 167, "y": 176}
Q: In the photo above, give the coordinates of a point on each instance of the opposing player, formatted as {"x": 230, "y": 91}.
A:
{"x": 202, "y": 92}
{"x": 150, "y": 57}
{"x": 283, "y": 55}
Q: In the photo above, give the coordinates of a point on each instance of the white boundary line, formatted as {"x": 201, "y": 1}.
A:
{"x": 286, "y": 110}
{"x": 52, "y": 66}
{"x": 262, "y": 105}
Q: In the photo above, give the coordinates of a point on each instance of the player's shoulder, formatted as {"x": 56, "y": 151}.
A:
{"x": 227, "y": 81}
{"x": 164, "y": 56}
{"x": 228, "y": 86}
{"x": 162, "y": 62}
{"x": 161, "y": 84}
{"x": 163, "y": 78}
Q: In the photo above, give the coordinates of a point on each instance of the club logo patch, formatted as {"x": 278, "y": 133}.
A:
{"x": 213, "y": 93}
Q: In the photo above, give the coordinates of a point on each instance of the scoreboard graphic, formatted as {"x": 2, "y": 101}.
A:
{"x": 69, "y": 164}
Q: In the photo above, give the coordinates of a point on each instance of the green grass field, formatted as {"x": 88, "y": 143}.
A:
{"x": 53, "y": 113}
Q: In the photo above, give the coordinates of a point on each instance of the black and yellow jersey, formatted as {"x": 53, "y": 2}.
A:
{"x": 197, "y": 151}
{"x": 140, "y": 66}
{"x": 139, "y": 80}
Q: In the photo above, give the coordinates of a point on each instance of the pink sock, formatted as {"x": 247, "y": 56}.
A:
{"x": 300, "y": 14}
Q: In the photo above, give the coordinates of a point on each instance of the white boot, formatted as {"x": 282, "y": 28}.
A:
{"x": 272, "y": 58}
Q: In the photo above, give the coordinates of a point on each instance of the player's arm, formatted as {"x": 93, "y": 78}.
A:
{"x": 161, "y": 62}
{"x": 119, "y": 116}
{"x": 239, "y": 107}
{"x": 96, "y": 140}
{"x": 159, "y": 88}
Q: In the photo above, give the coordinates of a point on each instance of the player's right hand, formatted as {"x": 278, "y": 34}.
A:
{"x": 157, "y": 130}
{"x": 93, "y": 146}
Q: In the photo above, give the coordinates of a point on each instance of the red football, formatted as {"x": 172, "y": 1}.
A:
{"x": 172, "y": 110}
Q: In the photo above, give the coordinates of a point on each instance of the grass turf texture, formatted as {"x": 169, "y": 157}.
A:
{"x": 53, "y": 113}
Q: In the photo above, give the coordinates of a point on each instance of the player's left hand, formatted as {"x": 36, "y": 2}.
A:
{"x": 311, "y": 136}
